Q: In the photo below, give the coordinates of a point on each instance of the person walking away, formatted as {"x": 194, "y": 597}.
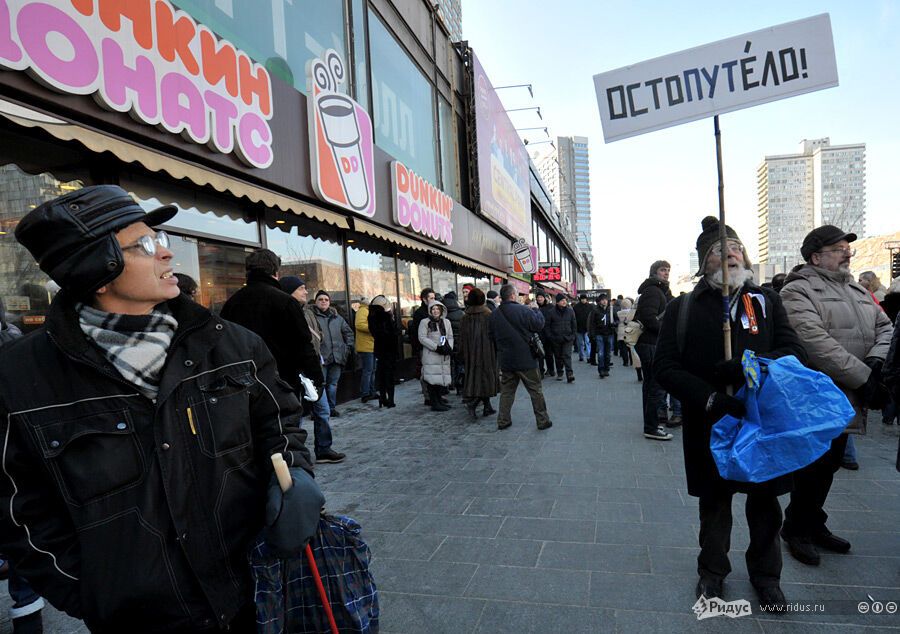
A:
{"x": 654, "y": 295}
{"x": 455, "y": 315}
{"x": 476, "y": 346}
{"x": 547, "y": 362}
{"x": 583, "y": 310}
{"x": 365, "y": 348}
{"x": 436, "y": 337}
{"x": 421, "y": 313}
{"x": 690, "y": 364}
{"x": 625, "y": 305}
{"x": 846, "y": 336}
{"x": 337, "y": 346}
{"x": 603, "y": 331}
{"x": 137, "y": 430}
{"x": 561, "y": 331}
{"x": 25, "y": 611}
{"x": 385, "y": 331}
{"x": 319, "y": 409}
{"x": 512, "y": 326}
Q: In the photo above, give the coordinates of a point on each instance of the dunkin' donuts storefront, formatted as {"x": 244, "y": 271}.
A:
{"x": 247, "y": 119}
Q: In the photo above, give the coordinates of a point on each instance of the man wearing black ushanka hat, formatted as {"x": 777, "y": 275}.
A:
{"x": 689, "y": 364}
{"x": 137, "y": 432}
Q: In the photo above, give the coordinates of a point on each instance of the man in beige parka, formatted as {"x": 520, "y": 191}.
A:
{"x": 846, "y": 336}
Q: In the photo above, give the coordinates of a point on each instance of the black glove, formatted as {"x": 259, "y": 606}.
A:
{"x": 292, "y": 517}
{"x": 729, "y": 372}
{"x": 444, "y": 349}
{"x": 720, "y": 404}
{"x": 873, "y": 394}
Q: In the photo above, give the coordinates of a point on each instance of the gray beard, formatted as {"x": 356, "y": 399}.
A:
{"x": 735, "y": 280}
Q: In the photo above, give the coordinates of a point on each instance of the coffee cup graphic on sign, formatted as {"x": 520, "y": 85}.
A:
{"x": 338, "y": 115}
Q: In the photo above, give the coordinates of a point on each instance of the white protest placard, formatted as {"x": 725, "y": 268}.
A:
{"x": 739, "y": 72}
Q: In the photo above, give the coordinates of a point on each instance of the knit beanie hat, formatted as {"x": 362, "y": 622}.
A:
{"x": 322, "y": 292}
{"x": 710, "y": 236}
{"x": 559, "y": 297}
{"x": 290, "y": 283}
{"x": 476, "y": 297}
{"x": 657, "y": 266}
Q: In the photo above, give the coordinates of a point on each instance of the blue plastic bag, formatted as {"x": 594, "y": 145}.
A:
{"x": 793, "y": 414}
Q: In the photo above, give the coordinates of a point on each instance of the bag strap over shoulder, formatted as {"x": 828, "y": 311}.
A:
{"x": 514, "y": 327}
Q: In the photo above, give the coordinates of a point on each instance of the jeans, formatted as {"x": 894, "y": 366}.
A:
{"x": 805, "y": 516}
{"x": 367, "y": 383}
{"x": 676, "y": 406}
{"x": 763, "y": 521}
{"x": 850, "y": 451}
{"x": 321, "y": 415}
{"x": 583, "y": 343}
{"x": 653, "y": 396}
{"x": 509, "y": 383}
{"x": 332, "y": 373}
{"x": 604, "y": 345}
{"x": 25, "y": 600}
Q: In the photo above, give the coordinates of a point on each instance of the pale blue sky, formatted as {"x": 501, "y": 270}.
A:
{"x": 648, "y": 193}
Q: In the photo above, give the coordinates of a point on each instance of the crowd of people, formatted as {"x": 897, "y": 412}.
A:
{"x": 138, "y": 426}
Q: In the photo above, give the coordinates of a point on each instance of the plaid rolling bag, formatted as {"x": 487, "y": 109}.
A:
{"x": 287, "y": 599}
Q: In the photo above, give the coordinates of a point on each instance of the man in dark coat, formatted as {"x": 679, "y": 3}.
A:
{"x": 511, "y": 327}
{"x": 583, "y": 310}
{"x": 602, "y": 330}
{"x": 654, "y": 295}
{"x": 454, "y": 316}
{"x": 561, "y": 329}
{"x": 478, "y": 353}
{"x": 138, "y": 429}
{"x": 427, "y": 296}
{"x": 545, "y": 305}
{"x": 264, "y": 308}
{"x": 689, "y": 363}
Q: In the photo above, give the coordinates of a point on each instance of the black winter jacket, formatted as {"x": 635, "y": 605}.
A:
{"x": 654, "y": 296}
{"x": 136, "y": 515}
{"x": 385, "y": 331}
{"x": 582, "y": 314}
{"x": 262, "y": 307}
{"x": 561, "y": 327}
{"x": 454, "y": 315}
{"x": 511, "y": 325}
{"x": 603, "y": 321}
{"x": 689, "y": 374}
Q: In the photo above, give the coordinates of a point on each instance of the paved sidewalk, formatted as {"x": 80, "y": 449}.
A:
{"x": 585, "y": 527}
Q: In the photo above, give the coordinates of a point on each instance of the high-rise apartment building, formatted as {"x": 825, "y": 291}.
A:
{"x": 451, "y": 12}
{"x": 822, "y": 184}
{"x": 567, "y": 173}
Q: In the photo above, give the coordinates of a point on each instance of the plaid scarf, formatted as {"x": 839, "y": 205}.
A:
{"x": 136, "y": 345}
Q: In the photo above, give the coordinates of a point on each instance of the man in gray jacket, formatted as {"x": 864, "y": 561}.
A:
{"x": 846, "y": 336}
{"x": 336, "y": 346}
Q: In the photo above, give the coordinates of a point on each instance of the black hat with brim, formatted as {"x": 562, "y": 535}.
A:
{"x": 823, "y": 236}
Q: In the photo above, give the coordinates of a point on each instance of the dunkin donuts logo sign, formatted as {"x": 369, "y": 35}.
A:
{"x": 420, "y": 206}
{"x": 341, "y": 149}
{"x": 148, "y": 59}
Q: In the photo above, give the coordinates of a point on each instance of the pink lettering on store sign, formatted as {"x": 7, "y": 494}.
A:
{"x": 159, "y": 65}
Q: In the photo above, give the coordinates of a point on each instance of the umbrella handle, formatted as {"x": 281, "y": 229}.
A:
{"x": 321, "y": 588}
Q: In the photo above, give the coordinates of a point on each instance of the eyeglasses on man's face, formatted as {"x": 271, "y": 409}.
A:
{"x": 148, "y": 243}
{"x": 844, "y": 250}
{"x": 733, "y": 247}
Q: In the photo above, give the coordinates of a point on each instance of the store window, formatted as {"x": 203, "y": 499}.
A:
{"x": 360, "y": 53}
{"x": 404, "y": 104}
{"x": 444, "y": 281}
{"x": 462, "y": 280}
{"x": 217, "y": 268}
{"x": 26, "y": 291}
{"x": 318, "y": 261}
{"x": 282, "y": 35}
{"x": 371, "y": 274}
{"x": 449, "y": 151}
{"x": 413, "y": 277}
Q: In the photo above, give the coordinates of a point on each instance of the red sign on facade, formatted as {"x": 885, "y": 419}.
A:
{"x": 548, "y": 272}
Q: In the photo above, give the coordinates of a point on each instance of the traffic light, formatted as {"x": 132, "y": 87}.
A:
{"x": 895, "y": 265}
